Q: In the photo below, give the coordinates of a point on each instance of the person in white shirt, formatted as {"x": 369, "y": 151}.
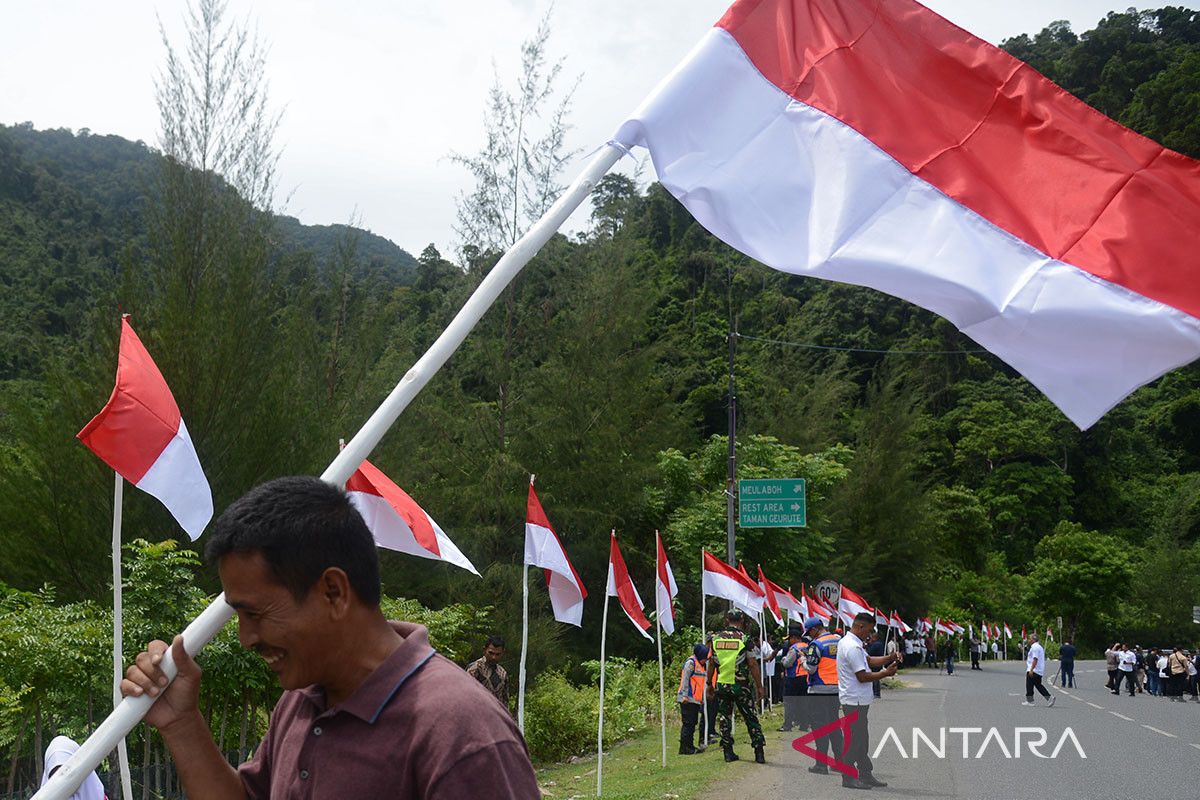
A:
{"x": 1035, "y": 668}
{"x": 767, "y": 659}
{"x": 1126, "y": 659}
{"x": 854, "y": 692}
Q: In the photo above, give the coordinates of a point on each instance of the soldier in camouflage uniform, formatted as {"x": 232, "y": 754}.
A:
{"x": 735, "y": 667}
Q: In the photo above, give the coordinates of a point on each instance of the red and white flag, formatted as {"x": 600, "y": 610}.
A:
{"x": 850, "y": 604}
{"x": 141, "y": 435}
{"x": 771, "y": 604}
{"x": 396, "y": 521}
{"x": 941, "y": 626}
{"x": 896, "y": 622}
{"x": 1049, "y": 634}
{"x": 543, "y": 549}
{"x": 721, "y": 580}
{"x": 924, "y": 625}
{"x": 878, "y": 144}
{"x": 1023, "y": 634}
{"x": 818, "y": 609}
{"x": 622, "y": 588}
{"x": 881, "y": 618}
{"x": 664, "y": 589}
{"x": 784, "y": 600}
{"x": 1008, "y": 631}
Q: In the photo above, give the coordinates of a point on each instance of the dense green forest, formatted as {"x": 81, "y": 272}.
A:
{"x": 940, "y": 482}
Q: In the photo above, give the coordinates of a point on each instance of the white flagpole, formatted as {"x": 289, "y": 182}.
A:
{"x": 600, "y": 728}
{"x": 524, "y": 638}
{"x": 118, "y": 628}
{"x": 762, "y": 666}
{"x": 704, "y": 641}
{"x": 202, "y": 629}
{"x": 524, "y": 647}
{"x": 662, "y": 692}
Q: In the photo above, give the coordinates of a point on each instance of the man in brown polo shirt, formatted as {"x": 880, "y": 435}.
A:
{"x": 369, "y": 709}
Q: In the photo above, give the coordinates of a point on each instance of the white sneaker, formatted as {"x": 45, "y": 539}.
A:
{"x": 1027, "y": 702}
{"x": 1050, "y": 702}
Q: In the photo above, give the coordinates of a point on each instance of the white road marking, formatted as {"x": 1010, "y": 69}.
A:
{"x": 1193, "y": 744}
{"x": 1093, "y": 705}
{"x": 1122, "y": 716}
{"x": 1164, "y": 733}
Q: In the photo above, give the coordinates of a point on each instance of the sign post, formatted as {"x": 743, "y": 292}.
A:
{"x": 772, "y": 503}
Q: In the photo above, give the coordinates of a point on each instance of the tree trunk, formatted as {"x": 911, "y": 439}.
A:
{"x": 38, "y": 753}
{"x": 16, "y": 754}
{"x": 245, "y": 725}
{"x": 224, "y": 720}
{"x": 146, "y": 765}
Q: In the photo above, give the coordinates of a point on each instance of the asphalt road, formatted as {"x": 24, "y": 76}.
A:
{"x": 1139, "y": 746}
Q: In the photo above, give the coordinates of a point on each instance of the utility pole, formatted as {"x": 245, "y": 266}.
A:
{"x": 731, "y": 477}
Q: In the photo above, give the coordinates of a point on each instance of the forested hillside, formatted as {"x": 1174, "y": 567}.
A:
{"x": 940, "y": 482}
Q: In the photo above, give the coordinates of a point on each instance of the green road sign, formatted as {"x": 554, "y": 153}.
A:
{"x": 771, "y": 503}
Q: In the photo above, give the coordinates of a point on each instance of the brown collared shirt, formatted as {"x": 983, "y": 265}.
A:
{"x": 417, "y": 727}
{"x": 494, "y": 679}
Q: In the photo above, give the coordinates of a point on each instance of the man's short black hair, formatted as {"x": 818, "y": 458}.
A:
{"x": 495, "y": 641}
{"x": 302, "y": 526}
{"x": 865, "y": 618}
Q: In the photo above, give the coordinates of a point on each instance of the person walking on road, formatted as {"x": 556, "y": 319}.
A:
{"x": 1125, "y": 665}
{"x": 1177, "y": 672}
{"x": 1066, "y": 670}
{"x": 976, "y": 652}
{"x": 1111, "y": 658}
{"x": 854, "y": 677}
{"x": 1035, "y": 668}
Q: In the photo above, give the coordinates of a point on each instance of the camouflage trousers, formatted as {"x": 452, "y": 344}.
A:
{"x": 742, "y": 697}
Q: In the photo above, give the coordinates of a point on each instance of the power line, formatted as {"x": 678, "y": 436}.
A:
{"x": 810, "y": 346}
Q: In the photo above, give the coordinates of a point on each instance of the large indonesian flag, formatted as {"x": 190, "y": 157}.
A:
{"x": 543, "y": 549}
{"x": 665, "y": 588}
{"x": 877, "y": 144}
{"x": 397, "y": 522}
{"x": 141, "y": 435}
{"x": 621, "y": 587}
{"x": 852, "y": 604}
{"x": 722, "y": 580}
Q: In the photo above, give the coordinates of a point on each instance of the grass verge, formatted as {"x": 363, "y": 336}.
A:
{"x": 633, "y": 769}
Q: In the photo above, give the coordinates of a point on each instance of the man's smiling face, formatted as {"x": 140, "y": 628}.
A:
{"x": 289, "y": 635}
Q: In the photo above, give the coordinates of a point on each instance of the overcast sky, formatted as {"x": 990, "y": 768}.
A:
{"x": 376, "y": 94}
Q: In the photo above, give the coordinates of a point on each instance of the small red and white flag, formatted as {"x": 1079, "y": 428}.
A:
{"x": 543, "y": 549}
{"x": 141, "y": 435}
{"x": 924, "y": 625}
{"x": 1049, "y": 634}
{"x": 875, "y": 143}
{"x": 941, "y": 626}
{"x": 721, "y": 580}
{"x": 771, "y": 604}
{"x": 665, "y": 588}
{"x": 396, "y": 521}
{"x": 1008, "y": 631}
{"x": 898, "y": 623}
{"x": 1024, "y": 636}
{"x": 784, "y": 600}
{"x": 818, "y": 609}
{"x": 851, "y": 604}
{"x": 621, "y": 587}
{"x": 881, "y": 618}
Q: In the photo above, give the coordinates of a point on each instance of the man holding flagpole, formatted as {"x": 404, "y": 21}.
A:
{"x": 299, "y": 566}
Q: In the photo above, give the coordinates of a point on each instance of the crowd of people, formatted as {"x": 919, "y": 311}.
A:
{"x": 1172, "y": 672}
{"x": 823, "y": 676}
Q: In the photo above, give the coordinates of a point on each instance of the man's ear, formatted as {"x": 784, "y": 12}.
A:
{"x": 334, "y": 589}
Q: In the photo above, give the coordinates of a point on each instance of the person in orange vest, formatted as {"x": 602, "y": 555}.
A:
{"x": 820, "y": 661}
{"x": 692, "y": 695}
{"x": 795, "y": 678}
